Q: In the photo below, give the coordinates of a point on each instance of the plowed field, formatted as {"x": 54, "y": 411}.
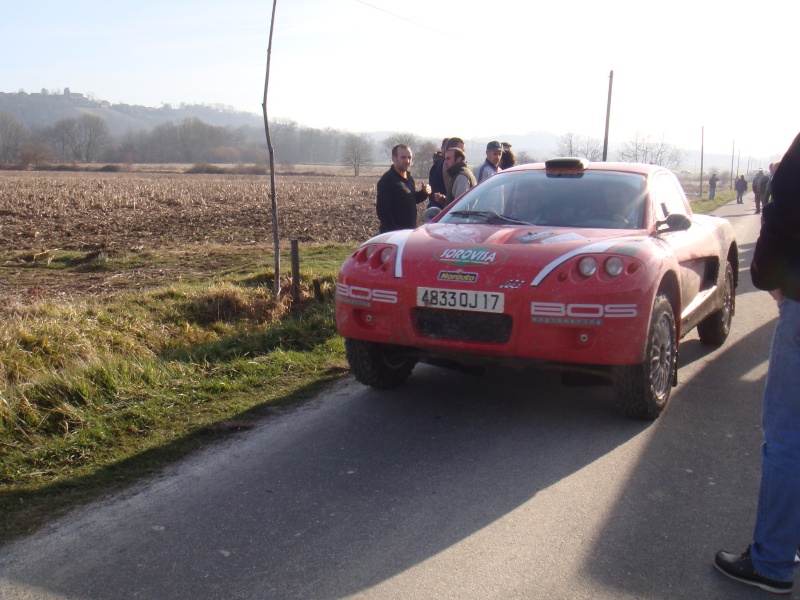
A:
{"x": 204, "y": 221}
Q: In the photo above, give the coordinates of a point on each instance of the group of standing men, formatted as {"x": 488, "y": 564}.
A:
{"x": 762, "y": 186}
{"x": 449, "y": 177}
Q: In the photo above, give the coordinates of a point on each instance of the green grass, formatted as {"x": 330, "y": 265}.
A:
{"x": 703, "y": 205}
{"x": 96, "y": 392}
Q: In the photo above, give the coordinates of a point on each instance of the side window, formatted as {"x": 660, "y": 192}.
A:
{"x": 668, "y": 198}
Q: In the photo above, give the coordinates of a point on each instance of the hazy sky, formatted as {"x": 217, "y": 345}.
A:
{"x": 466, "y": 68}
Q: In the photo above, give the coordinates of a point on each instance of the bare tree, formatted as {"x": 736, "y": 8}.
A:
{"x": 357, "y": 150}
{"x": 642, "y": 149}
{"x": 567, "y": 145}
{"x": 12, "y": 134}
{"x": 190, "y": 134}
{"x": 93, "y": 135}
{"x": 64, "y": 136}
{"x": 525, "y": 158}
{"x": 571, "y": 144}
{"x": 34, "y": 150}
{"x": 409, "y": 139}
{"x": 591, "y": 148}
{"x": 423, "y": 157}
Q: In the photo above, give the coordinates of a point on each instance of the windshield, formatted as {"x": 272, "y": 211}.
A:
{"x": 594, "y": 199}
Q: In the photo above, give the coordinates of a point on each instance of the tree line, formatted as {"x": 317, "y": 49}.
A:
{"x": 86, "y": 139}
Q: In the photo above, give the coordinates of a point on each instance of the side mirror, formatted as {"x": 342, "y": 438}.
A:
{"x": 675, "y": 222}
{"x": 430, "y": 213}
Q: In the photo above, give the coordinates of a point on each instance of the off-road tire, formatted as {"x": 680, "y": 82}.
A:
{"x": 714, "y": 329}
{"x": 642, "y": 391}
{"x": 377, "y": 365}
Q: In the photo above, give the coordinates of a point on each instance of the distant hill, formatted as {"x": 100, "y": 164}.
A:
{"x": 45, "y": 109}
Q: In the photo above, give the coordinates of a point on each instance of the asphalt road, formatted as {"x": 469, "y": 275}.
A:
{"x": 504, "y": 486}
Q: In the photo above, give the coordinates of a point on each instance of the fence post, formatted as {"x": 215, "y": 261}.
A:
{"x": 295, "y": 273}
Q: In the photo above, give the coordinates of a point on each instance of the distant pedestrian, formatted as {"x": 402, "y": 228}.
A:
{"x": 741, "y": 188}
{"x": 760, "y": 188}
{"x": 397, "y": 197}
{"x": 455, "y": 164}
{"x": 769, "y": 562}
{"x": 508, "y": 159}
{"x": 490, "y": 166}
{"x": 712, "y": 186}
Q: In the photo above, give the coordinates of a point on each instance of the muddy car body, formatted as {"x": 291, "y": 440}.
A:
{"x": 593, "y": 268}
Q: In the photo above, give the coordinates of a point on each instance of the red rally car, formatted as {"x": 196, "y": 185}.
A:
{"x": 596, "y": 268}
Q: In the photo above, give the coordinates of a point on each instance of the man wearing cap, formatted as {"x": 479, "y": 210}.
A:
{"x": 491, "y": 166}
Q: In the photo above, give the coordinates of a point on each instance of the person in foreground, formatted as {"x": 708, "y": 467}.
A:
{"x": 397, "y": 196}
{"x": 769, "y": 561}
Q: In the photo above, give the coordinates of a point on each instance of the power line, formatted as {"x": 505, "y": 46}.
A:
{"x": 418, "y": 24}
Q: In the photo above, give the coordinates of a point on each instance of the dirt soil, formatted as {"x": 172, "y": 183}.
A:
{"x": 204, "y": 222}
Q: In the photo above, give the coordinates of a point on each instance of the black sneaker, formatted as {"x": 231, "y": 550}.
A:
{"x": 740, "y": 568}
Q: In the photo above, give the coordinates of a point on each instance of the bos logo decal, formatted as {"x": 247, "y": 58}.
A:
{"x": 458, "y": 276}
{"x": 583, "y": 311}
{"x": 362, "y": 296}
{"x": 471, "y": 257}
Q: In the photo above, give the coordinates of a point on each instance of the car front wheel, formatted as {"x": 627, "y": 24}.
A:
{"x": 714, "y": 329}
{"x": 642, "y": 391}
{"x": 377, "y": 365}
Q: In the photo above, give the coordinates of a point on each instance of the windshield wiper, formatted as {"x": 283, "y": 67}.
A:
{"x": 490, "y": 216}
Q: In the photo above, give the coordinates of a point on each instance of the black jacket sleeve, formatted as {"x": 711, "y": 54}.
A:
{"x": 776, "y": 260}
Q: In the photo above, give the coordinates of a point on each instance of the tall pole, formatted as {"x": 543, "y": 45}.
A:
{"x": 702, "y": 150}
{"x": 733, "y": 153}
{"x": 275, "y": 236}
{"x": 608, "y": 115}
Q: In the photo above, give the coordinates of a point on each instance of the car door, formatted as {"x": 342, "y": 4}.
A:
{"x": 695, "y": 249}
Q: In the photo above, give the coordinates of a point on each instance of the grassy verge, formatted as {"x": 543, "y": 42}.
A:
{"x": 703, "y": 205}
{"x": 97, "y": 391}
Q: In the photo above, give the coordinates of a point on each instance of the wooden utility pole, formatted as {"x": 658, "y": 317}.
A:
{"x": 702, "y": 146}
{"x": 608, "y": 115}
{"x": 733, "y": 153}
{"x": 275, "y": 236}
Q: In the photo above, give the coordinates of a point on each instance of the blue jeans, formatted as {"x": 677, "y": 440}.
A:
{"x": 777, "y": 529}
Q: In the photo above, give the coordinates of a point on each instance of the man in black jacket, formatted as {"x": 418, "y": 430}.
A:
{"x": 769, "y": 562}
{"x": 760, "y": 188}
{"x": 397, "y": 197}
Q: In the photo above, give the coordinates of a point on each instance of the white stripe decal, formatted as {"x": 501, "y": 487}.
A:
{"x": 399, "y": 238}
{"x": 593, "y": 248}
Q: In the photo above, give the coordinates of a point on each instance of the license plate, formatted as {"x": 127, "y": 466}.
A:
{"x": 492, "y": 302}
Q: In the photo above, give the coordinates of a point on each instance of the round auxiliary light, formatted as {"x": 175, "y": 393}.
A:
{"x": 614, "y": 266}
{"x": 386, "y": 254}
{"x": 587, "y": 266}
{"x": 370, "y": 251}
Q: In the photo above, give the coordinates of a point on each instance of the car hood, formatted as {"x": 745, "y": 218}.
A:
{"x": 528, "y": 249}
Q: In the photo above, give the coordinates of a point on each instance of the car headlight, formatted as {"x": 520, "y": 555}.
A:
{"x": 587, "y": 266}
{"x": 614, "y": 266}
